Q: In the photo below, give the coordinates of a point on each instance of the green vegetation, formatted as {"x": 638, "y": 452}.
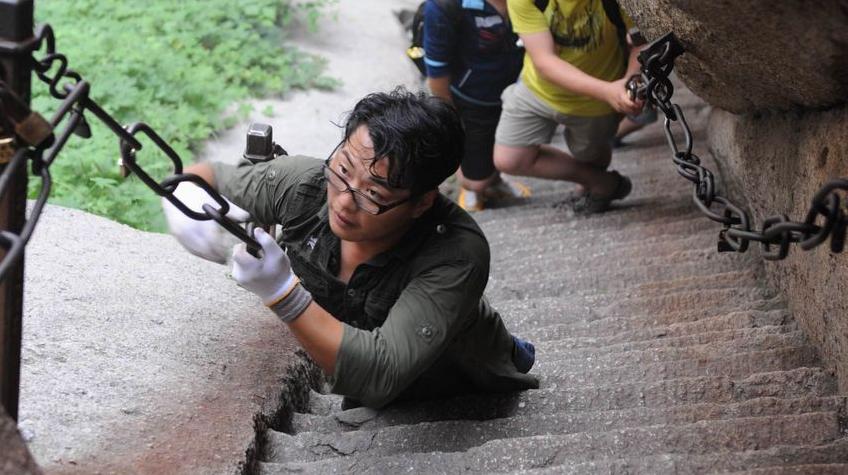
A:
{"x": 178, "y": 66}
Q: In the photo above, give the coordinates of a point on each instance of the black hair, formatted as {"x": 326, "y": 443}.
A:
{"x": 420, "y": 135}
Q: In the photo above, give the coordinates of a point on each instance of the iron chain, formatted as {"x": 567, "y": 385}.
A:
{"x": 38, "y": 143}
{"x": 825, "y": 219}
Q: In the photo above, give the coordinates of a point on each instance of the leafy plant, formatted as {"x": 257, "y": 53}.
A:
{"x": 176, "y": 66}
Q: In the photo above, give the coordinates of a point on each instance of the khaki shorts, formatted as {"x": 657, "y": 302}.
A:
{"x": 526, "y": 121}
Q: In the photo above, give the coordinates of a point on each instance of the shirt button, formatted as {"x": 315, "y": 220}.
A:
{"x": 351, "y": 293}
{"x": 272, "y": 174}
{"x": 426, "y": 332}
{"x": 441, "y": 229}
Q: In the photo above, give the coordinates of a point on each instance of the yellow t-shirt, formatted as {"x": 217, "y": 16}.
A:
{"x": 584, "y": 37}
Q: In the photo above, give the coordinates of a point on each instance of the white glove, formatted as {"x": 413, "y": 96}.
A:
{"x": 270, "y": 276}
{"x": 206, "y": 239}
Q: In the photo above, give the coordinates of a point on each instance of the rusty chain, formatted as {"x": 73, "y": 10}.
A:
{"x": 826, "y": 217}
{"x": 39, "y": 143}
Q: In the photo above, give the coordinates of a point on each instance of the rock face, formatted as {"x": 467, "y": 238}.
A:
{"x": 14, "y": 456}
{"x": 779, "y": 71}
{"x": 755, "y": 55}
{"x": 777, "y": 162}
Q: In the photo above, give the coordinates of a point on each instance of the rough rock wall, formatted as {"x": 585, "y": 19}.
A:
{"x": 755, "y": 54}
{"x": 14, "y": 456}
{"x": 775, "y": 163}
{"x": 777, "y": 76}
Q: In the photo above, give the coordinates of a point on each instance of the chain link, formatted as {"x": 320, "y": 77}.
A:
{"x": 40, "y": 145}
{"x": 825, "y": 219}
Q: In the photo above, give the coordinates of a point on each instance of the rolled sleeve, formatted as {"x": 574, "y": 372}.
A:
{"x": 439, "y": 40}
{"x": 264, "y": 189}
{"x": 376, "y": 366}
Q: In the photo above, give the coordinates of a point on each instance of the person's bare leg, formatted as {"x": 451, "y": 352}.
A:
{"x": 545, "y": 161}
{"x": 626, "y": 127}
{"x": 479, "y": 186}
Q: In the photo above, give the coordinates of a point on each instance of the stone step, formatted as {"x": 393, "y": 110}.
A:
{"x": 738, "y": 365}
{"x": 521, "y": 453}
{"x": 324, "y": 404}
{"x": 553, "y": 398}
{"x": 594, "y": 330}
{"x": 629, "y": 276}
{"x": 614, "y": 344}
{"x": 585, "y": 279}
{"x": 539, "y": 250}
{"x": 809, "y": 469}
{"x": 629, "y": 301}
{"x": 765, "y": 461}
{"x": 526, "y": 424}
{"x": 606, "y": 323}
{"x": 732, "y": 281}
{"x": 607, "y": 359}
{"x": 462, "y": 435}
{"x": 523, "y": 226}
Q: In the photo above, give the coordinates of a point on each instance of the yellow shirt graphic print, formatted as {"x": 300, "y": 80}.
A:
{"x": 584, "y": 37}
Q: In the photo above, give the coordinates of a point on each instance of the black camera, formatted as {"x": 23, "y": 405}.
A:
{"x": 260, "y": 146}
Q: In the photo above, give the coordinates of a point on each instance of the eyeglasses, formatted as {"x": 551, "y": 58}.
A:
{"x": 363, "y": 201}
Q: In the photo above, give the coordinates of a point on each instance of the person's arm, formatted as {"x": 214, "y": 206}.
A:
{"x": 541, "y": 48}
{"x": 440, "y": 87}
{"x": 371, "y": 366}
{"x": 375, "y": 366}
{"x": 439, "y": 45}
{"x": 203, "y": 170}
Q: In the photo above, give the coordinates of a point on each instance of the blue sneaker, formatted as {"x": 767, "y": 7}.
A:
{"x": 523, "y": 354}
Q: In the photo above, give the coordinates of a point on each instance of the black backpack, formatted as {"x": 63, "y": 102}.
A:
{"x": 416, "y": 53}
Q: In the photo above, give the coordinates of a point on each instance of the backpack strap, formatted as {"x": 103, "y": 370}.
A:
{"x": 613, "y": 12}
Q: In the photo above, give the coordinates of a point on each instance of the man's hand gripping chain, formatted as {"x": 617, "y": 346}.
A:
{"x": 270, "y": 277}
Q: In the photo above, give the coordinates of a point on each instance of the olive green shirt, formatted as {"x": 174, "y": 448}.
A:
{"x": 416, "y": 324}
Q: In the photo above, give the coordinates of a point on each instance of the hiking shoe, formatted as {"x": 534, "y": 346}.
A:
{"x": 587, "y": 204}
{"x": 505, "y": 189}
{"x": 470, "y": 201}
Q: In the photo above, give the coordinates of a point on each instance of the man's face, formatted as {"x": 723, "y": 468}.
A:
{"x": 353, "y": 162}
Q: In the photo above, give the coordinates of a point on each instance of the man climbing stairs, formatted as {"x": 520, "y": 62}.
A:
{"x": 655, "y": 353}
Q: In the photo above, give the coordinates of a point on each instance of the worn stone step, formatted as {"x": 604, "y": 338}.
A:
{"x": 551, "y": 326}
{"x": 589, "y": 347}
{"x": 502, "y": 288}
{"x": 323, "y": 404}
{"x": 808, "y": 469}
{"x": 662, "y": 349}
{"x": 583, "y": 360}
{"x": 627, "y": 303}
{"x": 462, "y": 435}
{"x": 526, "y": 424}
{"x": 738, "y": 365}
{"x": 633, "y": 301}
{"x": 588, "y": 280}
{"x": 633, "y": 270}
{"x": 553, "y": 398}
{"x": 664, "y": 222}
{"x": 523, "y": 453}
{"x": 766, "y": 461}
{"x": 606, "y": 321}
{"x": 539, "y": 251}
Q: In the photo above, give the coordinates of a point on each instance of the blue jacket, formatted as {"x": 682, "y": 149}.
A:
{"x": 479, "y": 51}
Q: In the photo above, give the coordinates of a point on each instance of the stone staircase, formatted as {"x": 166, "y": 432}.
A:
{"x": 655, "y": 353}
